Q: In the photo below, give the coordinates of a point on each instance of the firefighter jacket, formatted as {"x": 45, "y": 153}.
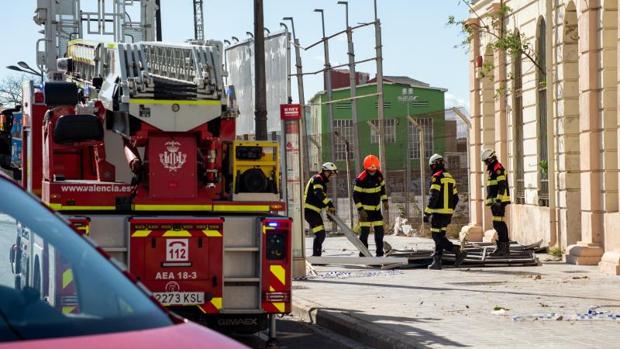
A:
{"x": 443, "y": 194}
{"x": 497, "y": 185}
{"x": 315, "y": 197}
{"x": 369, "y": 191}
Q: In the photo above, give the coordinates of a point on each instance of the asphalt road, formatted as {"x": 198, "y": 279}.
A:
{"x": 295, "y": 334}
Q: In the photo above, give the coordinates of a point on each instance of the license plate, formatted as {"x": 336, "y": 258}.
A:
{"x": 180, "y": 298}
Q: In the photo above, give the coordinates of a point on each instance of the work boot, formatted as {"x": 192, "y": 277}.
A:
{"x": 459, "y": 256}
{"x": 436, "y": 265}
{"x": 502, "y": 249}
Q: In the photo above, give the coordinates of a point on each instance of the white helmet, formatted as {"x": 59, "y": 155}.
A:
{"x": 329, "y": 166}
{"x": 434, "y": 158}
{"x": 487, "y": 154}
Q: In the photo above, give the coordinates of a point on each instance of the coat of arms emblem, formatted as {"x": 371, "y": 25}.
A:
{"x": 172, "y": 158}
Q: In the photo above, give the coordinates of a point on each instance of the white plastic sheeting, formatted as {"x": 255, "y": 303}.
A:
{"x": 241, "y": 74}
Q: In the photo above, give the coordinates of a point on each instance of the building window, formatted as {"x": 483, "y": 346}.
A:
{"x": 518, "y": 127}
{"x": 414, "y": 139}
{"x": 543, "y": 154}
{"x": 390, "y": 131}
{"x": 345, "y": 132}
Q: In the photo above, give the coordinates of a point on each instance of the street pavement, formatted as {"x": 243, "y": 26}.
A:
{"x": 296, "y": 334}
{"x": 550, "y": 306}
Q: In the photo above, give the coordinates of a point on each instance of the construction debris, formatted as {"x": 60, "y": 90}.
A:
{"x": 592, "y": 314}
{"x": 478, "y": 254}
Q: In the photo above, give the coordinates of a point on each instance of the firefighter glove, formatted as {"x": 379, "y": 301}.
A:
{"x": 426, "y": 218}
{"x": 386, "y": 205}
{"x": 331, "y": 210}
{"x": 363, "y": 215}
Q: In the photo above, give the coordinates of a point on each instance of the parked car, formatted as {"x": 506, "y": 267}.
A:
{"x": 59, "y": 290}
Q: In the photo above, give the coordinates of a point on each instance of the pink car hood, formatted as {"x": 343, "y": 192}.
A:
{"x": 187, "y": 336}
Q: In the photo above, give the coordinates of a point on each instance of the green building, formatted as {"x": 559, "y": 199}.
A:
{"x": 402, "y": 96}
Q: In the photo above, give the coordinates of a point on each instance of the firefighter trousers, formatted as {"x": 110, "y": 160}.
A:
{"x": 375, "y": 221}
{"x": 439, "y": 228}
{"x": 315, "y": 220}
{"x": 499, "y": 211}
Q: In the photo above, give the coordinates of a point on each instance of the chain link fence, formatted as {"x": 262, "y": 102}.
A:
{"x": 443, "y": 133}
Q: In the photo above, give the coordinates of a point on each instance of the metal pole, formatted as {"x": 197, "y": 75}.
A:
{"x": 353, "y": 89}
{"x": 408, "y": 166}
{"x": 422, "y": 172}
{"x": 346, "y": 156}
{"x": 380, "y": 104}
{"x": 305, "y": 146}
{"x": 158, "y": 20}
{"x": 422, "y": 165}
{"x": 330, "y": 109}
{"x": 259, "y": 66}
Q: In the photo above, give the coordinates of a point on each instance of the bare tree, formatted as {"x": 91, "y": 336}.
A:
{"x": 11, "y": 89}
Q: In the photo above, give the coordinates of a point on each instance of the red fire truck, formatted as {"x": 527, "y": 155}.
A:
{"x": 136, "y": 147}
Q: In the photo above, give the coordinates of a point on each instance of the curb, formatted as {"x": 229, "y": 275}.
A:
{"x": 348, "y": 325}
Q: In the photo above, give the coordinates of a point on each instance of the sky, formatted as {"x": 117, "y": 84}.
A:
{"x": 416, "y": 40}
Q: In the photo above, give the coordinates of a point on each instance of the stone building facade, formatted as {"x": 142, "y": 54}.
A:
{"x": 552, "y": 119}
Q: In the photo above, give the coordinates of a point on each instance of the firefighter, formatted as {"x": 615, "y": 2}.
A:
{"x": 315, "y": 200}
{"x": 441, "y": 203}
{"x": 368, "y": 195}
{"x": 498, "y": 197}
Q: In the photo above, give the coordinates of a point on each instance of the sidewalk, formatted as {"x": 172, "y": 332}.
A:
{"x": 461, "y": 307}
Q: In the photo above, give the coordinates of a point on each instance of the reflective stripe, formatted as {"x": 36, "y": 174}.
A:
{"x": 436, "y": 187}
{"x": 384, "y": 197}
{"x": 318, "y": 186}
{"x": 312, "y": 207}
{"x": 358, "y": 205}
{"x": 491, "y": 182}
{"x": 498, "y": 218}
{"x": 371, "y": 224}
{"x": 501, "y": 178}
{"x": 212, "y": 233}
{"x": 439, "y": 210}
{"x": 318, "y": 228}
{"x": 280, "y": 306}
{"x": 279, "y": 272}
{"x": 141, "y": 233}
{"x": 371, "y": 208}
{"x": 444, "y": 229}
{"x": 326, "y": 201}
{"x": 435, "y": 230}
{"x": 67, "y": 277}
{"x": 177, "y": 233}
{"x": 366, "y": 190}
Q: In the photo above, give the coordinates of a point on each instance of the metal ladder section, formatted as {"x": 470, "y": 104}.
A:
{"x": 242, "y": 265}
{"x": 179, "y": 71}
{"x": 198, "y": 65}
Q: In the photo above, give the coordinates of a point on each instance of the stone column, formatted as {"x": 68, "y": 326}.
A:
{"x": 473, "y": 231}
{"x": 588, "y": 251}
{"x": 610, "y": 262}
{"x": 500, "y": 120}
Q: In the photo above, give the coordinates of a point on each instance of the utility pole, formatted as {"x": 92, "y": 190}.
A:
{"x": 260, "y": 89}
{"x": 380, "y": 104}
{"x": 305, "y": 146}
{"x": 158, "y": 20}
{"x": 330, "y": 106}
{"x": 353, "y": 89}
{"x": 346, "y": 157}
{"x": 199, "y": 20}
